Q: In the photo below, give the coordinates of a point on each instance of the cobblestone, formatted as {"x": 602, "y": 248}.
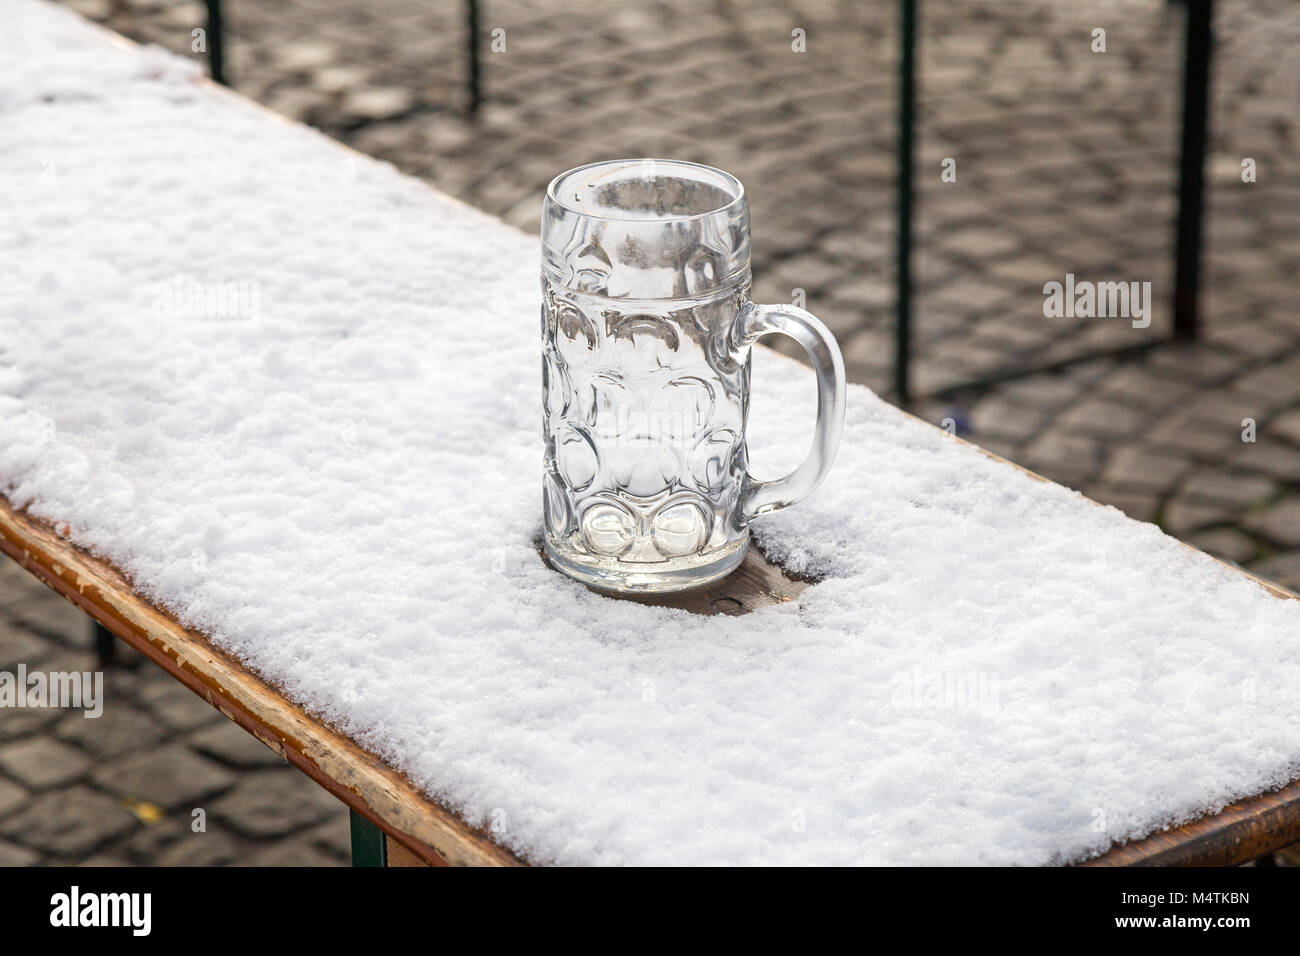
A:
{"x": 1072, "y": 460}
{"x": 229, "y": 744}
{"x": 119, "y": 789}
{"x": 1287, "y": 426}
{"x": 269, "y": 804}
{"x": 177, "y": 707}
{"x": 19, "y": 647}
{"x": 1199, "y": 441}
{"x": 1280, "y": 523}
{"x": 1282, "y": 568}
{"x": 56, "y": 619}
{"x": 1104, "y": 419}
{"x": 1227, "y": 544}
{"x": 1280, "y": 461}
{"x": 68, "y": 823}
{"x": 121, "y": 729}
{"x": 1133, "y": 467}
{"x": 1136, "y": 504}
{"x": 1278, "y": 383}
{"x": 334, "y": 837}
{"x": 11, "y": 796}
{"x": 177, "y": 843}
{"x": 22, "y": 723}
{"x": 169, "y": 777}
{"x": 1238, "y": 492}
{"x": 41, "y": 763}
{"x": 292, "y": 854}
{"x": 11, "y": 854}
{"x": 995, "y": 417}
{"x": 1181, "y": 517}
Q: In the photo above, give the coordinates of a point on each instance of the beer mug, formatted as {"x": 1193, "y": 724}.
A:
{"x": 647, "y": 329}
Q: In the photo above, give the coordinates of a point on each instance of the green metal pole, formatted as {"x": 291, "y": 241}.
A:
{"x": 216, "y": 31}
{"x": 906, "y": 121}
{"x": 368, "y": 847}
{"x": 475, "y": 63}
{"x": 1191, "y": 177}
{"x": 105, "y": 645}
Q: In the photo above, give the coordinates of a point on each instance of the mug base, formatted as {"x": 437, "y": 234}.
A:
{"x": 626, "y": 578}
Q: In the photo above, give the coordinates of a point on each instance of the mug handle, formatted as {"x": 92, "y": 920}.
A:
{"x": 752, "y": 323}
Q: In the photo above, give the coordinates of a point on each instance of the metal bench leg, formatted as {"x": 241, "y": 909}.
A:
{"x": 367, "y": 842}
{"x": 475, "y": 67}
{"x": 216, "y": 61}
{"x": 105, "y": 645}
{"x": 906, "y": 122}
{"x": 1191, "y": 180}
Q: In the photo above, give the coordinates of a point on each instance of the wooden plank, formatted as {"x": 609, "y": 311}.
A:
{"x": 399, "y": 855}
{"x": 358, "y": 778}
{"x": 1238, "y": 833}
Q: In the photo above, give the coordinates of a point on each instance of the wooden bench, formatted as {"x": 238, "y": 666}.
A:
{"x": 398, "y": 823}
{"x": 394, "y": 824}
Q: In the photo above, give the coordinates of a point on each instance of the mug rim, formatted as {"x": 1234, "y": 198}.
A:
{"x": 737, "y": 199}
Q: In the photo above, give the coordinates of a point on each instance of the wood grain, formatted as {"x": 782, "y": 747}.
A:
{"x": 1238, "y": 833}
{"x": 400, "y": 856}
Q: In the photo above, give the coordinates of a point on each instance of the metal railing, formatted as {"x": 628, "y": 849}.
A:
{"x": 1191, "y": 185}
{"x": 217, "y": 59}
{"x": 1191, "y": 201}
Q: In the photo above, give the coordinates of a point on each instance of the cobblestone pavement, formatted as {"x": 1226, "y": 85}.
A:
{"x": 1065, "y": 161}
{"x": 123, "y": 788}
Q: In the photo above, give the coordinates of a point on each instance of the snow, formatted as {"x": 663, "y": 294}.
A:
{"x": 337, "y": 478}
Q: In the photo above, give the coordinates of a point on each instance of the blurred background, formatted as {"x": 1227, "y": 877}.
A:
{"x": 1061, "y": 158}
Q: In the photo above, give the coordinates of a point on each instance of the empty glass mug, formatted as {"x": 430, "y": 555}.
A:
{"x": 646, "y": 335}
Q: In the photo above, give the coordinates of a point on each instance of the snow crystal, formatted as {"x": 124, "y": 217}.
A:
{"x": 295, "y": 395}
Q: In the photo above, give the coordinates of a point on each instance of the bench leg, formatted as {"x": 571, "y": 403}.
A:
{"x": 1191, "y": 176}
{"x": 105, "y": 645}
{"x": 903, "y": 276}
{"x": 475, "y": 65}
{"x": 368, "y": 847}
{"x": 216, "y": 59}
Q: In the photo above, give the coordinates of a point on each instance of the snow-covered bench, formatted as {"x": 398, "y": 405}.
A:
{"x": 268, "y": 412}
